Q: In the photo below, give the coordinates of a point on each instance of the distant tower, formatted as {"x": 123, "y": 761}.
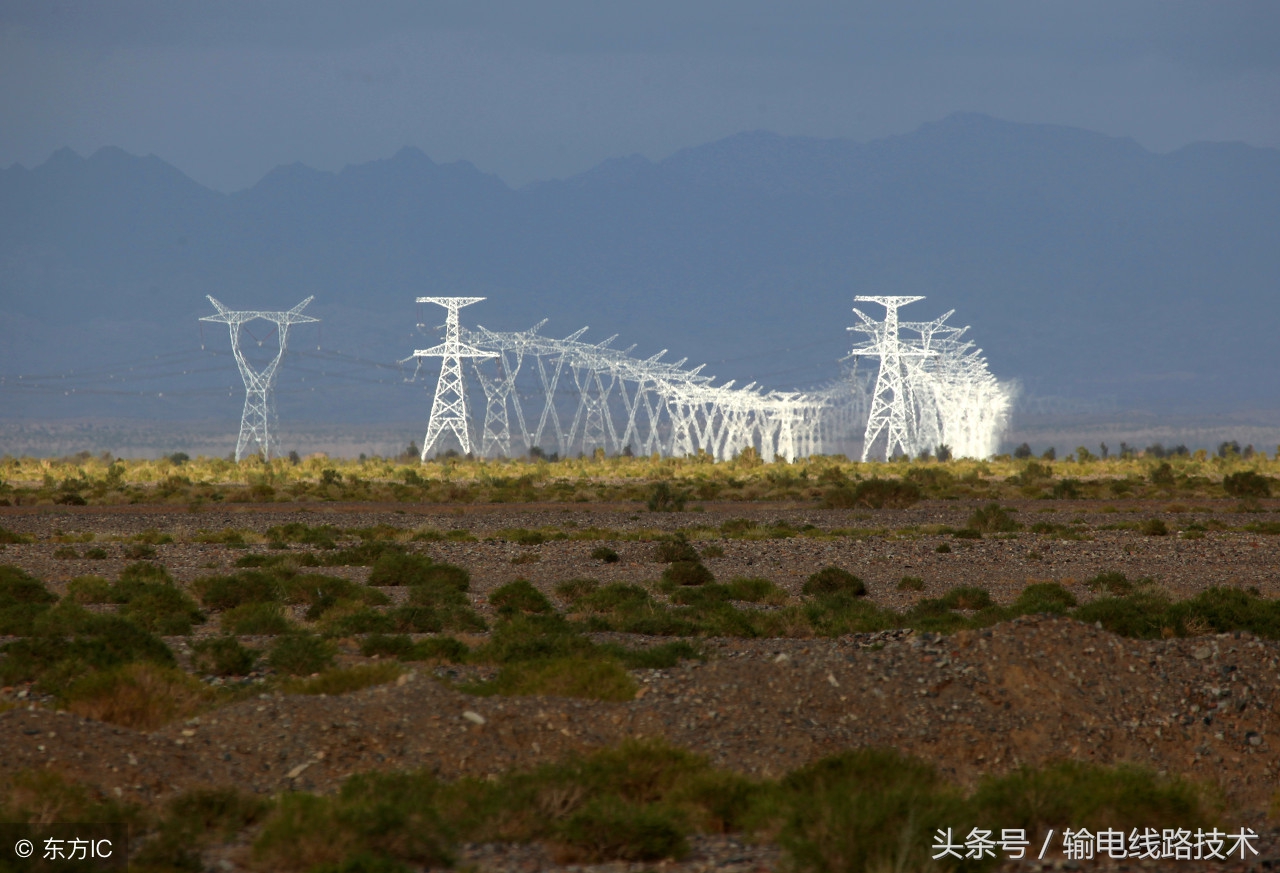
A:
{"x": 449, "y": 408}
{"x": 892, "y": 407}
{"x": 255, "y": 422}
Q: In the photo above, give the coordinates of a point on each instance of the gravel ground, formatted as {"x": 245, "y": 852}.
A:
{"x": 1025, "y": 692}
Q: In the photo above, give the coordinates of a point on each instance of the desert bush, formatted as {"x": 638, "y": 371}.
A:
{"x": 194, "y": 819}
{"x": 346, "y": 679}
{"x": 683, "y": 573}
{"x": 248, "y": 586}
{"x": 585, "y": 676}
{"x": 1048, "y": 597}
{"x": 910, "y": 583}
{"x": 870, "y": 809}
{"x": 573, "y": 590}
{"x": 967, "y": 597}
{"x": 1247, "y": 483}
{"x": 607, "y": 829}
{"x": 380, "y": 817}
{"x": 756, "y": 590}
{"x": 97, "y": 553}
{"x": 670, "y": 551}
{"x": 834, "y": 580}
{"x": 1155, "y": 527}
{"x": 366, "y": 554}
{"x": 874, "y": 493}
{"x": 22, "y": 599}
{"x": 519, "y": 597}
{"x": 300, "y": 653}
{"x": 605, "y": 554}
{"x": 89, "y": 589}
{"x": 143, "y": 696}
{"x": 8, "y": 537}
{"x": 992, "y": 518}
{"x": 1113, "y": 583}
{"x": 664, "y": 498}
{"x": 1078, "y": 794}
{"x": 255, "y": 619}
{"x": 223, "y": 656}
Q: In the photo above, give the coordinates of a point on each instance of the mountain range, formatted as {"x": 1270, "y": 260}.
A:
{"x": 1090, "y": 268}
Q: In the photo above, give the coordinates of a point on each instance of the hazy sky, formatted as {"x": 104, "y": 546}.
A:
{"x": 529, "y": 90}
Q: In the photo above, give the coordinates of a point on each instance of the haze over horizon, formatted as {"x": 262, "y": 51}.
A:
{"x": 227, "y": 92}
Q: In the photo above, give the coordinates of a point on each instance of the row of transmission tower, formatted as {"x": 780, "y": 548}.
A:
{"x": 545, "y": 394}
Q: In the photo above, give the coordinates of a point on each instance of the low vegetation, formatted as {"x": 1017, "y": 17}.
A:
{"x": 639, "y": 802}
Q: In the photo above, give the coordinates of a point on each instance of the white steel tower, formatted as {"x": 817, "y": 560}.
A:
{"x": 449, "y": 408}
{"x": 256, "y": 421}
{"x": 892, "y": 407}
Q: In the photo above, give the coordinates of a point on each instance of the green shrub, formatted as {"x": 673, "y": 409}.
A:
{"x": 388, "y": 816}
{"x": 833, "y": 580}
{"x": 660, "y": 657}
{"x": 248, "y": 586}
{"x": 192, "y": 821}
{"x": 519, "y": 598}
{"x": 223, "y": 656}
{"x": 992, "y": 518}
{"x": 8, "y": 537}
{"x": 593, "y": 678}
{"x": 22, "y": 598}
{"x": 366, "y": 554}
{"x": 573, "y": 590}
{"x": 664, "y": 498}
{"x": 416, "y": 619}
{"x": 400, "y": 568}
{"x": 142, "y": 695}
{"x": 139, "y": 552}
{"x": 97, "y": 553}
{"x": 1077, "y": 794}
{"x": 387, "y": 645}
{"x": 89, "y": 589}
{"x": 736, "y": 527}
{"x": 1111, "y": 582}
{"x": 681, "y": 573}
{"x": 620, "y": 597}
{"x": 870, "y": 809}
{"x": 256, "y": 619}
{"x": 348, "y": 617}
{"x": 300, "y": 654}
{"x": 347, "y": 679}
{"x": 886, "y": 493}
{"x": 606, "y": 829}
{"x": 1140, "y": 614}
{"x": 967, "y": 597}
{"x": 533, "y": 638}
{"x": 439, "y": 649}
{"x": 910, "y": 583}
{"x": 1221, "y": 610}
{"x": 756, "y": 590}
{"x": 1155, "y": 527}
{"x": 1048, "y": 597}
{"x": 605, "y": 554}
{"x": 147, "y": 596}
{"x": 670, "y": 551}
{"x": 323, "y": 536}
{"x": 1247, "y": 483}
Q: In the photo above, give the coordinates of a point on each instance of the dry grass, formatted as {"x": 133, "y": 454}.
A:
{"x": 140, "y": 695}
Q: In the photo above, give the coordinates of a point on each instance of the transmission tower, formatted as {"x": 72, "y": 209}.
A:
{"x": 256, "y": 421}
{"x": 892, "y": 406}
{"x": 449, "y": 408}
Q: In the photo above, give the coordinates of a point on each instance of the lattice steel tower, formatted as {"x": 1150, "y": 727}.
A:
{"x": 255, "y": 423}
{"x": 892, "y": 406}
{"x": 449, "y": 408}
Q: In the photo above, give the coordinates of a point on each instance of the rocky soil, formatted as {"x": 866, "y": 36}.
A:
{"x": 1025, "y": 692}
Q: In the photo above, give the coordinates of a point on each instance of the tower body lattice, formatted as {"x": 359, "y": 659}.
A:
{"x": 257, "y": 420}
{"x": 892, "y": 405}
{"x": 449, "y": 407}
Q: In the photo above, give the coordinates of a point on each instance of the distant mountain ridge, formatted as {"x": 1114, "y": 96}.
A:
{"x": 1086, "y": 264}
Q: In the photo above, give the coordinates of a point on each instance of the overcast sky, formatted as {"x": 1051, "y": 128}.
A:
{"x": 532, "y": 90}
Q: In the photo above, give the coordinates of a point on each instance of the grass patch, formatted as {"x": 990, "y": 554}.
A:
{"x": 345, "y": 680}
{"x": 300, "y": 654}
{"x": 142, "y": 696}
{"x": 594, "y": 678}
